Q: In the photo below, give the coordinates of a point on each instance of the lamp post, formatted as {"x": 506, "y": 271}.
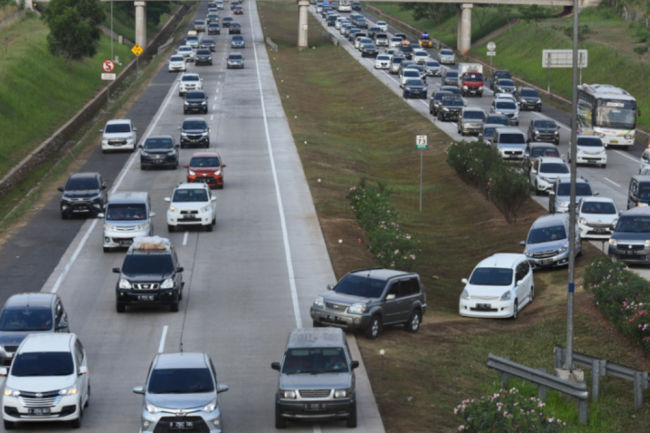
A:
{"x": 112, "y": 56}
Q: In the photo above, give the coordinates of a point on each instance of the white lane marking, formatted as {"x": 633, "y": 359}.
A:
{"x": 611, "y": 181}
{"x": 214, "y": 107}
{"x": 626, "y": 155}
{"x": 216, "y": 90}
{"x": 163, "y": 337}
{"x": 185, "y": 236}
{"x": 211, "y": 117}
{"x": 278, "y": 197}
{"x": 76, "y": 253}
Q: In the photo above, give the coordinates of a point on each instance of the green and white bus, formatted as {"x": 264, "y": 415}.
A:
{"x": 608, "y": 112}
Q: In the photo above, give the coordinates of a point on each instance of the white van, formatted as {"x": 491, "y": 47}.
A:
{"x": 128, "y": 215}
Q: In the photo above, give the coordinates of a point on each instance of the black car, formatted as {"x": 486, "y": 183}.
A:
{"x": 498, "y": 119}
{"x": 528, "y": 99}
{"x": 237, "y": 41}
{"x": 331, "y": 19}
{"x": 434, "y": 102}
{"x": 208, "y": 44}
{"x": 195, "y": 132}
{"x": 369, "y": 50}
{"x": 214, "y": 29}
{"x": 195, "y": 102}
{"x": 234, "y": 29}
{"x": 544, "y": 130}
{"x": 203, "y": 56}
{"x": 415, "y": 89}
{"x": 407, "y": 51}
{"x": 158, "y": 151}
{"x": 450, "y": 108}
{"x": 498, "y": 74}
{"x": 83, "y": 194}
{"x": 150, "y": 275}
{"x": 356, "y": 6}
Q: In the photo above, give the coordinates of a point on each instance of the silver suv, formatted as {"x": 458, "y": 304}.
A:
{"x": 181, "y": 394}
{"x": 368, "y": 299}
{"x": 547, "y": 244}
{"x": 630, "y": 240}
{"x": 128, "y": 215}
{"x": 316, "y": 378}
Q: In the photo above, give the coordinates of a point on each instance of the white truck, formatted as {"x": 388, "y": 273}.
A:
{"x": 470, "y": 78}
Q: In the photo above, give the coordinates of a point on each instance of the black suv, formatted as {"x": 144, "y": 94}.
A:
{"x": 499, "y": 74}
{"x": 83, "y": 193}
{"x": 195, "y": 132}
{"x": 150, "y": 275}
{"x": 368, "y": 299}
{"x": 26, "y": 313}
{"x": 543, "y": 130}
{"x": 434, "y": 102}
{"x": 203, "y": 56}
{"x": 158, "y": 151}
{"x": 195, "y": 102}
{"x": 450, "y": 108}
{"x": 528, "y": 99}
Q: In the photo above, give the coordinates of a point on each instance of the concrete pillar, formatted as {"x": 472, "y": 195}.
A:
{"x": 140, "y": 23}
{"x": 302, "y": 23}
{"x": 465, "y": 28}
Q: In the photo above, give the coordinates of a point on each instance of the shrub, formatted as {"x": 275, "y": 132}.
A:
{"x": 509, "y": 190}
{"x": 388, "y": 243}
{"x": 640, "y": 49}
{"x": 506, "y": 411}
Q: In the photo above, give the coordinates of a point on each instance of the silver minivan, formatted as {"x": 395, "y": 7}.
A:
{"x": 547, "y": 243}
{"x": 128, "y": 215}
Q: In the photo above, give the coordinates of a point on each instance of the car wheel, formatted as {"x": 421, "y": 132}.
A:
{"x": 208, "y": 228}
{"x": 76, "y": 423}
{"x": 316, "y": 324}
{"x": 9, "y": 425}
{"x": 374, "y": 326}
{"x": 174, "y": 307}
{"x": 515, "y": 310}
{"x": 531, "y": 296}
{"x": 120, "y": 307}
{"x": 107, "y": 249}
{"x": 64, "y": 216}
{"x": 171, "y": 228}
{"x": 351, "y": 420}
{"x": 414, "y": 322}
{"x": 280, "y": 422}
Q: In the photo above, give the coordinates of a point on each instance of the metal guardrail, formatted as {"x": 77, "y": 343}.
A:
{"x": 544, "y": 380}
{"x": 603, "y": 367}
{"x": 271, "y": 44}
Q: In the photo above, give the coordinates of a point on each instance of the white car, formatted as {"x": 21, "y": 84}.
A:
{"x": 189, "y": 82}
{"x": 382, "y": 25}
{"x": 382, "y": 61}
{"x": 394, "y": 42}
{"x": 339, "y": 22}
{"x": 645, "y": 161}
{"x": 408, "y": 74}
{"x": 191, "y": 204}
{"x": 420, "y": 56}
{"x": 447, "y": 56}
{"x": 177, "y": 63}
{"x": 48, "y": 381}
{"x": 118, "y": 134}
{"x": 589, "y": 150}
{"x": 500, "y": 286}
{"x": 433, "y": 68}
{"x": 545, "y": 170}
{"x": 187, "y": 52}
{"x": 597, "y": 217}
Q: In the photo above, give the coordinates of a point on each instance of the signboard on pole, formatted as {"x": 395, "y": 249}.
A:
{"x": 421, "y": 142}
{"x": 563, "y": 59}
{"x": 491, "y": 46}
{"x": 108, "y": 66}
{"x": 137, "y": 50}
{"x": 108, "y": 76}
{"x": 491, "y": 53}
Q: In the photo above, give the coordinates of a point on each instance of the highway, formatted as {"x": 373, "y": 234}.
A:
{"x": 247, "y": 283}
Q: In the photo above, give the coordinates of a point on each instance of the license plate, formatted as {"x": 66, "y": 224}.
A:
{"x": 39, "y": 411}
{"x": 126, "y": 242}
{"x": 546, "y": 261}
{"x": 600, "y": 230}
{"x": 181, "y": 425}
{"x": 145, "y": 297}
{"x": 313, "y": 406}
{"x": 614, "y": 141}
{"x": 483, "y": 306}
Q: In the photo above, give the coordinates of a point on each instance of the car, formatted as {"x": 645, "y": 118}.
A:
{"x": 395, "y": 63}
{"x": 368, "y": 50}
{"x": 406, "y": 64}
{"x": 203, "y": 56}
{"x": 415, "y": 88}
{"x": 150, "y": 275}
{"x": 559, "y": 195}
{"x": 381, "y": 40}
{"x": 382, "y": 61}
{"x": 181, "y": 393}
{"x": 447, "y": 56}
{"x": 128, "y": 216}
{"x": 83, "y": 194}
{"x": 382, "y": 25}
{"x": 420, "y": 56}
{"x": 505, "y": 85}
{"x": 316, "y": 378}
{"x": 497, "y": 75}
{"x": 528, "y": 98}
{"x": 199, "y": 25}
{"x": 118, "y": 134}
{"x": 234, "y": 28}
{"x": 356, "y": 6}
{"x": 435, "y": 101}
{"x": 369, "y": 299}
{"x": 212, "y": 17}
{"x": 630, "y": 240}
{"x": 176, "y": 63}
{"x": 235, "y": 61}
{"x": 188, "y": 82}
{"x": 408, "y": 74}
{"x": 219, "y": 4}
{"x": 500, "y": 286}
{"x": 470, "y": 120}
{"x": 360, "y": 37}
{"x": 195, "y": 102}
{"x": 340, "y": 21}
{"x": 545, "y": 170}
{"x": 208, "y": 43}
{"x": 450, "y": 78}
{"x": 192, "y": 41}
{"x": 425, "y": 41}
{"x": 498, "y": 119}
{"x": 191, "y": 204}
{"x": 225, "y": 22}
{"x": 589, "y": 150}
{"x": 206, "y": 167}
{"x": 507, "y": 108}
{"x": 237, "y": 41}
{"x": 195, "y": 132}
{"x": 486, "y": 133}
{"x": 407, "y": 51}
{"x": 450, "y": 108}
{"x": 48, "y": 381}
{"x": 331, "y": 20}
{"x": 27, "y": 313}
{"x": 644, "y": 163}
{"x": 394, "y": 42}
{"x": 373, "y": 31}
{"x": 158, "y": 151}
{"x": 187, "y": 52}
{"x": 638, "y": 192}
{"x": 238, "y": 10}
{"x": 547, "y": 243}
{"x": 214, "y": 29}
{"x": 536, "y": 149}
{"x": 597, "y": 217}
{"x": 543, "y": 130}
{"x": 432, "y": 68}
{"x": 510, "y": 143}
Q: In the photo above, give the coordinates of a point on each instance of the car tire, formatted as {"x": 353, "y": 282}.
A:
{"x": 171, "y": 228}
{"x": 280, "y": 422}
{"x": 414, "y": 322}
{"x": 107, "y": 249}
{"x": 374, "y": 327}
{"x": 316, "y": 324}
{"x": 9, "y": 425}
{"x": 351, "y": 420}
{"x": 174, "y": 307}
{"x": 120, "y": 307}
{"x": 515, "y": 310}
{"x": 64, "y": 216}
{"x": 531, "y": 296}
{"x": 76, "y": 423}
{"x": 208, "y": 228}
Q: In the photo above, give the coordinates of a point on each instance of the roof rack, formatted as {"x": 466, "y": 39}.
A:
{"x": 151, "y": 243}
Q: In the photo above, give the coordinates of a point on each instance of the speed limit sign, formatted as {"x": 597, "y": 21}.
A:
{"x": 108, "y": 66}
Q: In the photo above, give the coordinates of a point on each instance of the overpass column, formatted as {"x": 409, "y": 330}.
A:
{"x": 140, "y": 23}
{"x": 465, "y": 28}
{"x": 302, "y": 23}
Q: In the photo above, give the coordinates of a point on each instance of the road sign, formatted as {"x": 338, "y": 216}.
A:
{"x": 491, "y": 53}
{"x": 491, "y": 46}
{"x": 108, "y": 66}
{"x": 137, "y": 50}
{"x": 563, "y": 59}
{"x": 421, "y": 142}
{"x": 108, "y": 77}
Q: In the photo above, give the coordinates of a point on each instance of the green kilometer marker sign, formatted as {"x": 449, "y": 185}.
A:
{"x": 421, "y": 142}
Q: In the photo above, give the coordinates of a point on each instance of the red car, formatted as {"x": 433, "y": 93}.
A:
{"x": 238, "y": 10}
{"x": 206, "y": 167}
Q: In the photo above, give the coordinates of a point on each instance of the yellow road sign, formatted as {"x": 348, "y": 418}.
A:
{"x": 137, "y": 49}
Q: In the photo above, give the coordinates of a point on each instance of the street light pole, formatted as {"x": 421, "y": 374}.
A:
{"x": 112, "y": 56}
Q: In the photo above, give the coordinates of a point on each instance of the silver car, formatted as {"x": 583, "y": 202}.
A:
{"x": 181, "y": 394}
{"x": 128, "y": 216}
{"x": 176, "y": 63}
{"x": 447, "y": 57}
{"x": 507, "y": 107}
{"x": 470, "y": 121}
{"x": 547, "y": 244}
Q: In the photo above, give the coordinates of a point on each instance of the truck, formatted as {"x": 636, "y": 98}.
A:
{"x": 470, "y": 78}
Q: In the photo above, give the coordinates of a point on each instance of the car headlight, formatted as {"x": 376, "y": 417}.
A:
{"x": 183, "y": 134}
{"x": 109, "y": 227}
{"x": 69, "y": 391}
{"x": 646, "y": 243}
{"x": 288, "y": 394}
{"x": 10, "y": 392}
{"x": 172, "y": 208}
{"x": 205, "y": 209}
{"x": 582, "y": 221}
{"x": 167, "y": 284}
{"x": 528, "y": 253}
{"x": 191, "y": 172}
{"x": 563, "y": 249}
{"x": 204, "y": 133}
{"x": 319, "y": 302}
{"x": 210, "y": 407}
{"x": 217, "y": 172}
{"x": 506, "y": 296}
{"x": 141, "y": 227}
{"x": 186, "y": 103}
{"x": 124, "y": 284}
{"x": 357, "y": 308}
{"x": 612, "y": 242}
{"x": 464, "y": 87}
{"x": 464, "y": 294}
{"x": 556, "y": 132}
{"x": 152, "y": 409}
{"x": 203, "y": 102}
{"x": 341, "y": 393}
{"x": 562, "y": 203}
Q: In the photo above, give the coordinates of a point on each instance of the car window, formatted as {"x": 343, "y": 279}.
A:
{"x": 511, "y": 138}
{"x": 598, "y": 207}
{"x": 26, "y": 319}
{"x": 43, "y": 364}
{"x": 529, "y": 92}
{"x": 158, "y": 143}
{"x": 153, "y": 264}
{"x": 521, "y": 271}
{"x": 508, "y": 105}
{"x": 546, "y": 234}
{"x": 180, "y": 381}
{"x": 544, "y": 124}
{"x": 582, "y": 188}
{"x": 126, "y": 211}
{"x": 544, "y": 151}
{"x": 78, "y": 352}
{"x": 633, "y": 224}
{"x": 491, "y": 276}
{"x": 315, "y": 360}
{"x": 190, "y": 78}
{"x": 190, "y": 195}
{"x": 590, "y": 142}
{"x": 118, "y": 128}
{"x": 360, "y": 286}
{"x": 195, "y": 95}
{"x": 194, "y": 124}
{"x": 204, "y": 161}
{"x": 473, "y": 114}
{"x": 554, "y": 167}
{"x": 410, "y": 287}
{"x": 81, "y": 183}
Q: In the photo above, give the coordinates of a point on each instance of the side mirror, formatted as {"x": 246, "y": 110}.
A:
{"x": 83, "y": 370}
{"x": 104, "y": 185}
{"x": 138, "y": 389}
{"x": 354, "y": 364}
{"x": 116, "y": 270}
{"x": 135, "y": 129}
{"x": 186, "y": 166}
{"x": 180, "y": 269}
{"x": 551, "y": 193}
{"x": 101, "y": 130}
{"x": 60, "y": 188}
{"x": 390, "y": 296}
{"x": 4, "y": 371}
{"x": 275, "y": 366}
{"x": 213, "y": 198}
{"x": 140, "y": 146}
{"x": 168, "y": 199}
{"x": 464, "y": 280}
{"x": 62, "y": 325}
{"x": 596, "y": 193}
{"x": 177, "y": 146}
{"x": 522, "y": 243}
{"x": 222, "y": 388}
{"x": 100, "y": 215}
{"x": 329, "y": 287}
{"x": 223, "y": 166}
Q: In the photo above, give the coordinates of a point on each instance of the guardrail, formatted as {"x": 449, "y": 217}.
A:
{"x": 603, "y": 367}
{"x": 271, "y": 44}
{"x": 578, "y": 390}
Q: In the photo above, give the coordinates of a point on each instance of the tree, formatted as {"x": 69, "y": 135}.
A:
{"x": 74, "y": 27}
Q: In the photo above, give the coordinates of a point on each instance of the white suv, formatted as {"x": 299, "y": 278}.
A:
{"x": 119, "y": 134}
{"x": 48, "y": 381}
{"x": 545, "y": 170}
{"x": 191, "y": 204}
{"x": 189, "y": 82}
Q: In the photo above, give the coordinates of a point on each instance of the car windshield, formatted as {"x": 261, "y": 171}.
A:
{"x": 505, "y": 105}
{"x": 529, "y": 93}
{"x": 180, "y": 381}
{"x": 192, "y": 39}
{"x": 512, "y": 138}
{"x": 415, "y": 83}
{"x": 545, "y": 124}
{"x": 500, "y": 120}
{"x": 194, "y": 124}
{"x": 357, "y": 285}
{"x": 544, "y": 151}
{"x": 42, "y": 364}
{"x": 452, "y": 101}
{"x": 195, "y": 95}
{"x": 159, "y": 143}
{"x": 582, "y": 188}
{"x": 473, "y": 115}
{"x": 397, "y": 60}
{"x": 237, "y": 38}
{"x": 489, "y": 131}
{"x": 118, "y": 128}
{"x": 126, "y": 211}
{"x": 26, "y": 319}
{"x": 471, "y": 77}
{"x": 148, "y": 264}
{"x": 446, "y": 52}
{"x": 203, "y": 52}
{"x": 590, "y": 142}
{"x": 204, "y": 161}
{"x": 451, "y": 75}
{"x": 383, "y": 58}
{"x": 315, "y": 360}
{"x": 506, "y": 83}
{"x": 411, "y": 73}
{"x": 176, "y": 59}
{"x": 501, "y": 74}
{"x": 633, "y": 224}
{"x": 554, "y": 167}
{"x": 81, "y": 184}
{"x": 433, "y": 64}
{"x": 546, "y": 234}
{"x": 235, "y": 57}
{"x": 184, "y": 195}
{"x": 598, "y": 207}
{"x": 190, "y": 78}
{"x": 184, "y": 48}
{"x": 491, "y": 277}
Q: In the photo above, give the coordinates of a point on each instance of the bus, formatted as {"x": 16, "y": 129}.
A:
{"x": 345, "y": 5}
{"x": 608, "y": 112}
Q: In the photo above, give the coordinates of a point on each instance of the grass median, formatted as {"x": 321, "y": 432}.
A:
{"x": 348, "y": 125}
